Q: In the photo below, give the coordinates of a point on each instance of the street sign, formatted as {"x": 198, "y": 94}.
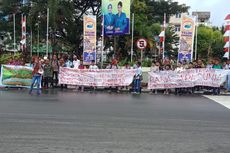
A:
{"x": 142, "y": 43}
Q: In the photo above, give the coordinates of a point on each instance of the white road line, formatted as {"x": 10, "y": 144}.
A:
{"x": 223, "y": 100}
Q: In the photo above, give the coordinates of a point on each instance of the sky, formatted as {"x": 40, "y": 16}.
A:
{"x": 219, "y": 9}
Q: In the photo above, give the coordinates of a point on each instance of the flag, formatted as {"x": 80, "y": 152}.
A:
{"x": 23, "y": 38}
{"x": 162, "y": 36}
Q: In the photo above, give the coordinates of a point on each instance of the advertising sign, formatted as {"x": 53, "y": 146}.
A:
{"x": 90, "y": 34}
{"x": 186, "y": 43}
{"x": 116, "y": 17}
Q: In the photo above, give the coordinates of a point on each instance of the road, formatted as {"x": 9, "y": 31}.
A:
{"x": 71, "y": 122}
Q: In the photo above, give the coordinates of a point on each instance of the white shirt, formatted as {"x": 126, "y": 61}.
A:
{"x": 76, "y": 63}
{"x": 179, "y": 69}
{"x": 93, "y": 67}
{"x": 138, "y": 71}
{"x": 155, "y": 69}
{"x": 227, "y": 67}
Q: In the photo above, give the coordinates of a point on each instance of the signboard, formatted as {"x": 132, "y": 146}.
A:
{"x": 101, "y": 78}
{"x": 142, "y": 44}
{"x": 187, "y": 78}
{"x": 116, "y": 17}
{"x": 186, "y": 43}
{"x": 90, "y": 33}
{"x": 16, "y": 76}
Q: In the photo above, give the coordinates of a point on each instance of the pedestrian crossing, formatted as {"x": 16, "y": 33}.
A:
{"x": 223, "y": 100}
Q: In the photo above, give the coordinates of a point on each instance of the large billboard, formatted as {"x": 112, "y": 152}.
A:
{"x": 116, "y": 17}
{"x": 90, "y": 34}
{"x": 186, "y": 43}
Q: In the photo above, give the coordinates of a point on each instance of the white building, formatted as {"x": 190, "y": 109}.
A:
{"x": 203, "y": 18}
{"x": 175, "y": 21}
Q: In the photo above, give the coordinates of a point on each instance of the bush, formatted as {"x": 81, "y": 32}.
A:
{"x": 5, "y": 57}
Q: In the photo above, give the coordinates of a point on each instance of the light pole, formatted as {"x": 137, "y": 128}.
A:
{"x": 38, "y": 36}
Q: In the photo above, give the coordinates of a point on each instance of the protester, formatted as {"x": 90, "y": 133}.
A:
{"x": 76, "y": 62}
{"x": 210, "y": 64}
{"x": 217, "y": 65}
{"x": 137, "y": 79}
{"x": 127, "y": 66}
{"x": 48, "y": 73}
{"x": 155, "y": 67}
{"x": 167, "y": 68}
{"x": 228, "y": 78}
{"x": 114, "y": 66}
{"x": 37, "y": 72}
{"x": 93, "y": 66}
{"x": 62, "y": 64}
{"x": 81, "y": 67}
{"x": 55, "y": 68}
{"x": 69, "y": 63}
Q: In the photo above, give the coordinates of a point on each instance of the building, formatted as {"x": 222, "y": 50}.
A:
{"x": 203, "y": 18}
{"x": 175, "y": 22}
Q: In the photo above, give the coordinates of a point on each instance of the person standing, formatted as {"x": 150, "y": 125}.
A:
{"x": 216, "y": 90}
{"x": 81, "y": 67}
{"x": 47, "y": 73}
{"x": 228, "y": 68}
{"x": 93, "y": 66}
{"x": 55, "y": 68}
{"x": 137, "y": 79}
{"x": 37, "y": 73}
{"x": 76, "y": 62}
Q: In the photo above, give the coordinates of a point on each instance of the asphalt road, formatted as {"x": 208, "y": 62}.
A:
{"x": 70, "y": 122}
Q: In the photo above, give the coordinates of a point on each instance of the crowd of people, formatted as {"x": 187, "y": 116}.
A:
{"x": 46, "y": 71}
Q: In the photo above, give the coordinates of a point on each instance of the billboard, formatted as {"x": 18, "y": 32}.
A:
{"x": 116, "y": 17}
{"x": 90, "y": 29}
{"x": 186, "y": 43}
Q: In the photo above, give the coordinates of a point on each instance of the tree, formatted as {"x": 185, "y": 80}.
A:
{"x": 209, "y": 42}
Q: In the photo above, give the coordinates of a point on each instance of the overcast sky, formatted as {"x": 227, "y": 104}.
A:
{"x": 219, "y": 8}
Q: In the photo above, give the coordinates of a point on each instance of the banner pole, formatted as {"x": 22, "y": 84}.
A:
{"x": 102, "y": 41}
{"x": 132, "y": 37}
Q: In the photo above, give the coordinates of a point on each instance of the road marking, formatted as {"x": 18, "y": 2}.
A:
{"x": 223, "y": 100}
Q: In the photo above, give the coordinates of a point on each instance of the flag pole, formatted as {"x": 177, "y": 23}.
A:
{"x": 31, "y": 44}
{"x": 132, "y": 38}
{"x": 102, "y": 40}
{"x": 196, "y": 36}
{"x": 163, "y": 44}
{"x": 47, "y": 34}
{"x": 14, "y": 35}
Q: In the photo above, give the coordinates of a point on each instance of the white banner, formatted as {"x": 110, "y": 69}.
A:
{"x": 187, "y": 78}
{"x": 98, "y": 78}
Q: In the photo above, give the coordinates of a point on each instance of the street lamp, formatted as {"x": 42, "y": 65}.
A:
{"x": 37, "y": 24}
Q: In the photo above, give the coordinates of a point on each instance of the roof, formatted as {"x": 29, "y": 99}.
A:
{"x": 227, "y": 17}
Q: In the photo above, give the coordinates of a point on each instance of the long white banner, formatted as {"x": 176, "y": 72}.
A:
{"x": 98, "y": 78}
{"x": 187, "y": 78}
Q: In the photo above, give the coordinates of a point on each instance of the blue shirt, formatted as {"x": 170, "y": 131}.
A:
{"x": 121, "y": 21}
{"x": 109, "y": 20}
{"x": 68, "y": 64}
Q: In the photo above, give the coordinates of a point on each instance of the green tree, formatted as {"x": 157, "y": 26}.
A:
{"x": 209, "y": 42}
